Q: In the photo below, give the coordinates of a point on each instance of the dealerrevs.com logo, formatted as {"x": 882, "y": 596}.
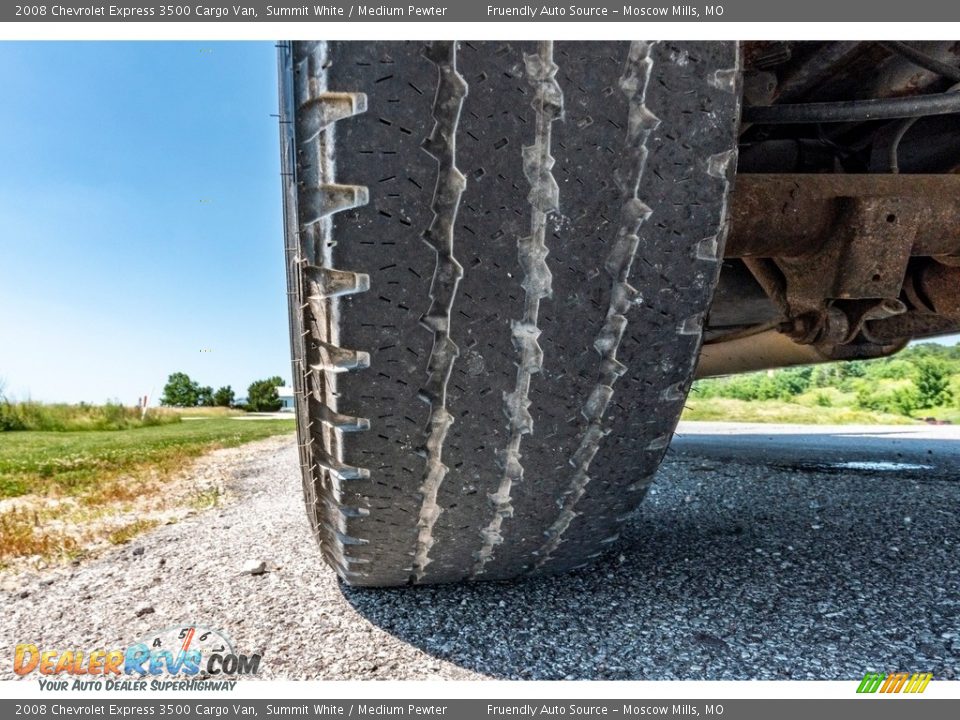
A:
{"x": 184, "y": 657}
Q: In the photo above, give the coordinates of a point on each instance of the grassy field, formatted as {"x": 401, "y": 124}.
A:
{"x": 61, "y": 417}
{"x": 50, "y": 480}
{"x": 204, "y": 412}
{"x": 951, "y": 415}
{"x": 775, "y": 411}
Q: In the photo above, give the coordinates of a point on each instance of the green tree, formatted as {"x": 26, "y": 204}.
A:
{"x": 223, "y": 397}
{"x": 905, "y": 400}
{"x": 825, "y": 375}
{"x": 205, "y": 396}
{"x": 790, "y": 382}
{"x": 744, "y": 387}
{"x": 854, "y": 369}
{"x": 933, "y": 382}
{"x": 262, "y": 395}
{"x": 180, "y": 391}
{"x": 890, "y": 369}
{"x": 901, "y": 400}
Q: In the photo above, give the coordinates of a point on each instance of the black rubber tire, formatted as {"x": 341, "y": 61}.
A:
{"x": 470, "y": 406}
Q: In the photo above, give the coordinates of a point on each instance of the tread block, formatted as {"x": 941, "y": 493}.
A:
{"x": 327, "y": 108}
{"x": 327, "y": 283}
{"x": 317, "y": 203}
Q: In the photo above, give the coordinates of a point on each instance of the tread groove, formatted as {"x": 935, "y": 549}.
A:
{"x": 633, "y": 212}
{"x": 441, "y": 145}
{"x": 532, "y": 251}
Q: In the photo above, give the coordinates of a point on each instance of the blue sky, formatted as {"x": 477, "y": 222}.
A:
{"x": 140, "y": 218}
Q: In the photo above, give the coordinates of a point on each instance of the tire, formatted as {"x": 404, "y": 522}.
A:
{"x": 499, "y": 260}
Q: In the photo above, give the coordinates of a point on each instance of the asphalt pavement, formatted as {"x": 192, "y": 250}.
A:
{"x": 761, "y": 553}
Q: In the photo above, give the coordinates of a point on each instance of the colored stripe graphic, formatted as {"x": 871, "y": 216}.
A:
{"x": 894, "y": 682}
{"x": 870, "y": 683}
{"x": 918, "y": 683}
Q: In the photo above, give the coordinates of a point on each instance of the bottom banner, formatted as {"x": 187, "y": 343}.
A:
{"x": 873, "y": 707}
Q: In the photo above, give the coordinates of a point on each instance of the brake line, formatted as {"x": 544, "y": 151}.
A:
{"x": 893, "y": 152}
{"x": 920, "y": 58}
{"x": 854, "y": 110}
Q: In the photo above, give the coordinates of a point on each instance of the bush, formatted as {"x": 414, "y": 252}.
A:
{"x": 262, "y": 395}
{"x": 902, "y": 399}
{"x": 891, "y": 369}
{"x": 776, "y": 385}
{"x": 933, "y": 383}
{"x": 10, "y": 417}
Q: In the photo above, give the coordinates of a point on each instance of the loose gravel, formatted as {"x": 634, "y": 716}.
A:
{"x": 730, "y": 571}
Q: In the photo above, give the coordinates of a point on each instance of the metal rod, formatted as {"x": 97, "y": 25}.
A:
{"x": 854, "y": 110}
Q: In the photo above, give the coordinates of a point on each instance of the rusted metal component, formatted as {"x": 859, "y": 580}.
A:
{"x": 844, "y": 69}
{"x": 851, "y": 265}
{"x": 832, "y": 253}
{"x": 898, "y": 76}
{"x": 838, "y": 322}
{"x": 769, "y": 277}
{"x": 909, "y": 326}
{"x": 853, "y": 276}
{"x": 813, "y": 69}
{"x": 859, "y": 312}
{"x": 793, "y": 215}
{"x": 738, "y": 302}
{"x": 835, "y": 327}
{"x": 939, "y": 286}
{"x": 865, "y": 257}
{"x": 765, "y": 54}
{"x": 805, "y": 329}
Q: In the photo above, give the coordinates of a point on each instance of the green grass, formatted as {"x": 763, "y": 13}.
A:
{"x": 774, "y": 411}
{"x": 950, "y": 414}
{"x": 204, "y": 412}
{"x": 74, "y": 487}
{"x": 80, "y": 463}
{"x": 60, "y": 417}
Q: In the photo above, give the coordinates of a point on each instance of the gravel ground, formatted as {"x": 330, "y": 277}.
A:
{"x": 732, "y": 570}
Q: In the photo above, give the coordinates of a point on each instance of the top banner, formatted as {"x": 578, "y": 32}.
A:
{"x": 476, "y": 11}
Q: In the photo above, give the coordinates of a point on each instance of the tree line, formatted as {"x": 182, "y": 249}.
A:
{"x": 182, "y": 391}
{"x": 922, "y": 377}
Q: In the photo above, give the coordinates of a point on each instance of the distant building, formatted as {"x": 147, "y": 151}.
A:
{"x": 286, "y": 397}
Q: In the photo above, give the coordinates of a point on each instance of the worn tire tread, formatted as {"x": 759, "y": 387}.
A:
{"x": 499, "y": 260}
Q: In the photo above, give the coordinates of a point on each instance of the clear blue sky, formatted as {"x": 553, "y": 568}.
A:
{"x": 140, "y": 218}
